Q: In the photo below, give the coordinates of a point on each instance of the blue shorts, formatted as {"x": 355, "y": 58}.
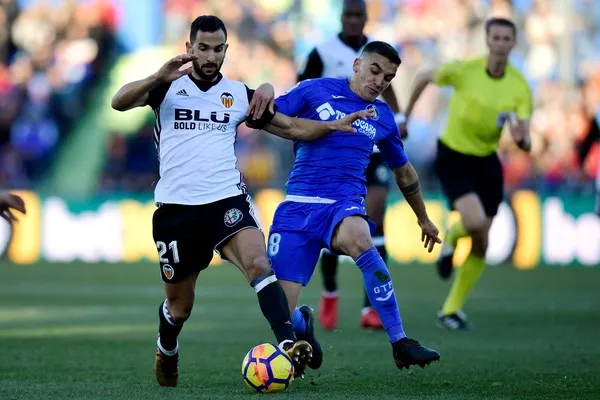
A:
{"x": 301, "y": 230}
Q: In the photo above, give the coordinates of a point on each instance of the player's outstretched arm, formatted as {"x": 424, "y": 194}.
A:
{"x": 408, "y": 182}
{"x": 389, "y": 96}
{"x": 422, "y": 79}
{"x": 305, "y": 129}
{"x": 134, "y": 94}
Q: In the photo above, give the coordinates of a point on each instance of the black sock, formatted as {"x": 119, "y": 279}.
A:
{"x": 274, "y": 306}
{"x": 383, "y": 253}
{"x": 168, "y": 329}
{"x": 329, "y": 269}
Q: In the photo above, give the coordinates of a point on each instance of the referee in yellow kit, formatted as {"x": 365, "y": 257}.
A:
{"x": 488, "y": 92}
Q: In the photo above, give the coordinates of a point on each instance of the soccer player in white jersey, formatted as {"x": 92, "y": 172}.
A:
{"x": 334, "y": 59}
{"x": 201, "y": 197}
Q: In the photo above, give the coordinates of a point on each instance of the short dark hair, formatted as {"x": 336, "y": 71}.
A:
{"x": 357, "y": 2}
{"x": 502, "y": 22}
{"x": 206, "y": 23}
{"x": 383, "y": 49}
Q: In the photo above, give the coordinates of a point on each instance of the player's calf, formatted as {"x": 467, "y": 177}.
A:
{"x": 246, "y": 249}
{"x": 172, "y": 313}
{"x": 378, "y": 284}
{"x": 380, "y": 290}
{"x": 166, "y": 361}
{"x": 171, "y": 319}
{"x": 369, "y": 319}
{"x": 353, "y": 238}
{"x": 274, "y": 305}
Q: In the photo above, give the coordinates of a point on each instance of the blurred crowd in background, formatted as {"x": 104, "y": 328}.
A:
{"x": 50, "y": 58}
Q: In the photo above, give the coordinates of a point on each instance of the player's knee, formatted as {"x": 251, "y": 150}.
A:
{"x": 475, "y": 226}
{"x": 180, "y": 313}
{"x": 256, "y": 266}
{"x": 360, "y": 243}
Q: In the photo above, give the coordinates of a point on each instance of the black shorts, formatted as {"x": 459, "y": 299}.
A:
{"x": 461, "y": 174}
{"x": 186, "y": 236}
{"x": 378, "y": 173}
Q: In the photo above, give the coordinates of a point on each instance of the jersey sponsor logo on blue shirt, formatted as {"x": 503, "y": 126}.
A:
{"x": 326, "y": 111}
{"x": 371, "y": 107}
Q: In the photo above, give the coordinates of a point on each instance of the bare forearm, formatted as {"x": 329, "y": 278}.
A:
{"x": 134, "y": 93}
{"x": 389, "y": 96}
{"x": 407, "y": 180}
{"x": 421, "y": 83}
{"x": 298, "y": 128}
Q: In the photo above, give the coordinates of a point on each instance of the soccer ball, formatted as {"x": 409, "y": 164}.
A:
{"x": 267, "y": 369}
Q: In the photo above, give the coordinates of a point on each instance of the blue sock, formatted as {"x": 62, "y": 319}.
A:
{"x": 298, "y": 321}
{"x": 378, "y": 284}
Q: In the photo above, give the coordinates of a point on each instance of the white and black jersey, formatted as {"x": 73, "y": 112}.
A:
{"x": 195, "y": 132}
{"x": 333, "y": 58}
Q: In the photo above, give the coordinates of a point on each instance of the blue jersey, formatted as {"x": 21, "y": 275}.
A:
{"x": 333, "y": 167}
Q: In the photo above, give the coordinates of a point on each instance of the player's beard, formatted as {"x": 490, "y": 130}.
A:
{"x": 204, "y": 76}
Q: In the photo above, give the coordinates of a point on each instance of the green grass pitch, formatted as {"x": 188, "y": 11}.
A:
{"x": 87, "y": 331}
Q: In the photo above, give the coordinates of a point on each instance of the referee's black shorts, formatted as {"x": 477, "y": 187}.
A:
{"x": 460, "y": 174}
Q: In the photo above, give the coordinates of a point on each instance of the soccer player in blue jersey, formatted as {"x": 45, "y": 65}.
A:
{"x": 325, "y": 203}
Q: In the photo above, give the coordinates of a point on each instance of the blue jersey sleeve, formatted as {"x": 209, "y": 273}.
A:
{"x": 392, "y": 149}
{"x": 296, "y": 100}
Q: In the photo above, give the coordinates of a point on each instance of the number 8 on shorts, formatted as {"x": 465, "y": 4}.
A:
{"x": 274, "y": 240}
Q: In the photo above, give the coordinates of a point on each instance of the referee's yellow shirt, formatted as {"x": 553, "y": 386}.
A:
{"x": 481, "y": 104}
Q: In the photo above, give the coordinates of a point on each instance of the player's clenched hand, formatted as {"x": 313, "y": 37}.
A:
{"x": 264, "y": 96}
{"x": 345, "y": 124}
{"x": 171, "y": 70}
{"x": 429, "y": 234}
{"x": 10, "y": 201}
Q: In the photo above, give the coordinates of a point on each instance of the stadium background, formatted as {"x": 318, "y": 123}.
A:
{"x": 79, "y": 283}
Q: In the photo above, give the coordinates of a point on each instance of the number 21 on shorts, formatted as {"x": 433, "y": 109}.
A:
{"x": 162, "y": 250}
{"x": 274, "y": 240}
